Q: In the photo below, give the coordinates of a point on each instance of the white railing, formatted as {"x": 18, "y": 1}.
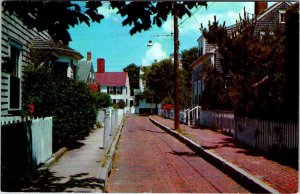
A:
{"x": 112, "y": 121}
{"x": 192, "y": 115}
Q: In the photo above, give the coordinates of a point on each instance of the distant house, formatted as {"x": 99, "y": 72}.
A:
{"x": 267, "y": 20}
{"x": 141, "y": 104}
{"x": 116, "y": 84}
{"x": 85, "y": 70}
{"x": 17, "y": 42}
{"x": 62, "y": 58}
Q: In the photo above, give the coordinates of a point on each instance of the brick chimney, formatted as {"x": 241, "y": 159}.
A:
{"x": 100, "y": 65}
{"x": 259, "y": 7}
{"x": 89, "y": 56}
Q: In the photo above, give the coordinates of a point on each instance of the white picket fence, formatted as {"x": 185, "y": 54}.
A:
{"x": 260, "y": 134}
{"x": 41, "y": 136}
{"x": 267, "y": 135}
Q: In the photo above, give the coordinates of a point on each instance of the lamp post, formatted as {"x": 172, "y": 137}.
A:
{"x": 176, "y": 81}
{"x": 176, "y": 65}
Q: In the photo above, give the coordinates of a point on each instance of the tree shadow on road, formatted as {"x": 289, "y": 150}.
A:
{"x": 46, "y": 181}
{"x": 142, "y": 129}
{"x": 189, "y": 154}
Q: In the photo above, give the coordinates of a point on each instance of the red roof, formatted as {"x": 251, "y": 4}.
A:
{"x": 111, "y": 78}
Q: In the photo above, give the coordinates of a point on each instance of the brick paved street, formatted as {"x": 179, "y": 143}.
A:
{"x": 150, "y": 160}
{"x": 280, "y": 177}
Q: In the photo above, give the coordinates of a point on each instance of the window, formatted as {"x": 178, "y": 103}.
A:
{"x": 262, "y": 34}
{"x": 199, "y": 91}
{"x": 110, "y": 90}
{"x": 15, "y": 64}
{"x": 201, "y": 47}
{"x": 119, "y": 90}
{"x": 282, "y": 16}
{"x": 195, "y": 92}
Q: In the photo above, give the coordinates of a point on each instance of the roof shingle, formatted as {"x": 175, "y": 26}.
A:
{"x": 111, "y": 78}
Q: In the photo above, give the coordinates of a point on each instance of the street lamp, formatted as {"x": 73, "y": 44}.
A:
{"x": 150, "y": 43}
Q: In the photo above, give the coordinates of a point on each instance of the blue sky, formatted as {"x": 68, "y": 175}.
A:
{"x": 111, "y": 41}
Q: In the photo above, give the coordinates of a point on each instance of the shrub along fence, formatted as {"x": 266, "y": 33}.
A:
{"x": 24, "y": 145}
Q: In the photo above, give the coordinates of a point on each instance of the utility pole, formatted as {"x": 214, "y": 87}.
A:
{"x": 176, "y": 65}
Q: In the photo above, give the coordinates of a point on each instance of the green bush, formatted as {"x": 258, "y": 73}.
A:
{"x": 72, "y": 104}
{"x": 121, "y": 104}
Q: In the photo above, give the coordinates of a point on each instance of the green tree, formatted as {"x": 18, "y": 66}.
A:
{"x": 188, "y": 57}
{"x": 291, "y": 70}
{"x": 133, "y": 74}
{"x": 160, "y": 79}
{"x": 253, "y": 66}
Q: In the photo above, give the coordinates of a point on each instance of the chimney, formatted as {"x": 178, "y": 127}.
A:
{"x": 100, "y": 65}
{"x": 89, "y": 56}
{"x": 259, "y": 7}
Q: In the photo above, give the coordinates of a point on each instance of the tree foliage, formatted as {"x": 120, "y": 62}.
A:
{"x": 188, "y": 57}
{"x": 72, "y": 104}
{"x": 133, "y": 74}
{"x": 253, "y": 69}
{"x": 159, "y": 78}
{"x": 57, "y": 16}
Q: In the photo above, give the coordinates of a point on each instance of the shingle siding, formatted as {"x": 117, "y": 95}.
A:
{"x": 270, "y": 21}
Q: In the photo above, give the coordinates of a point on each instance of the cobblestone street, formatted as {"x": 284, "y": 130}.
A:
{"x": 150, "y": 160}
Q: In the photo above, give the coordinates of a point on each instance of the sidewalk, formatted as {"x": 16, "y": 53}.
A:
{"x": 78, "y": 170}
{"x": 281, "y": 178}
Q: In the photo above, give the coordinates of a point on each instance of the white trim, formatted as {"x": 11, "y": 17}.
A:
{"x": 204, "y": 45}
{"x": 268, "y": 10}
{"x": 281, "y": 12}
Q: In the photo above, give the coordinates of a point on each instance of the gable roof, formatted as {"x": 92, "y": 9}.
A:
{"x": 111, "y": 78}
{"x": 84, "y": 68}
{"x": 201, "y": 59}
{"x": 57, "y": 47}
{"x": 268, "y": 10}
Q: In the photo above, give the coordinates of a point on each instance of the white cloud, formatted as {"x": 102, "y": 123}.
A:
{"x": 192, "y": 24}
{"x": 109, "y": 13}
{"x": 155, "y": 52}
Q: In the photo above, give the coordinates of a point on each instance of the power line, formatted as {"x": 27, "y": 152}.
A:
{"x": 97, "y": 37}
{"x": 195, "y": 13}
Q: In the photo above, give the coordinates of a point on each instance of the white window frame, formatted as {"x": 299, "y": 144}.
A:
{"x": 12, "y": 43}
{"x": 282, "y": 12}
{"x": 262, "y": 34}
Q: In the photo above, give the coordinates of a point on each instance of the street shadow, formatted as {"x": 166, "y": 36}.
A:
{"x": 46, "y": 181}
{"x": 141, "y": 129}
{"x": 287, "y": 158}
{"x": 189, "y": 154}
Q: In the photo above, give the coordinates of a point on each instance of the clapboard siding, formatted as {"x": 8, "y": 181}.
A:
{"x": 13, "y": 28}
{"x": 208, "y": 46}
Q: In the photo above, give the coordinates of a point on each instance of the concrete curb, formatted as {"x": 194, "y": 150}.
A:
{"x": 55, "y": 157}
{"x": 241, "y": 176}
{"x": 110, "y": 154}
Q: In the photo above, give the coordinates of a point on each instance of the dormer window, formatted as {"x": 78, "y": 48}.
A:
{"x": 282, "y": 16}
